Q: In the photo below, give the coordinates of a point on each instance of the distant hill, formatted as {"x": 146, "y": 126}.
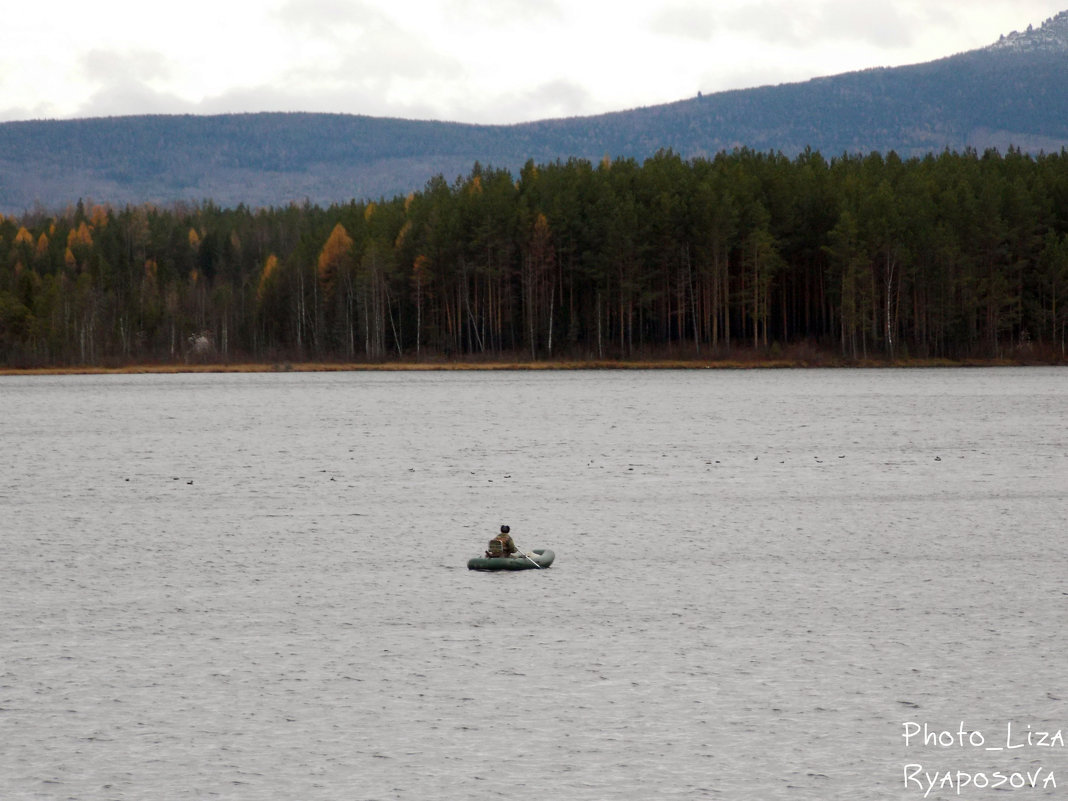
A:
{"x": 1014, "y": 92}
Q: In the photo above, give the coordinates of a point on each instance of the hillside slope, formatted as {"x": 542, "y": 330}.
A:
{"x": 1014, "y": 92}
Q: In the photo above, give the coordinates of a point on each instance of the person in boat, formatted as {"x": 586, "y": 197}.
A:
{"x": 502, "y": 545}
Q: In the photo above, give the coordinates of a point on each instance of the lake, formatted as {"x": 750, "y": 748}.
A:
{"x": 254, "y": 586}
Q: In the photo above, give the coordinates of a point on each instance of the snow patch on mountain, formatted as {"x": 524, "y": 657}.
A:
{"x": 1052, "y": 36}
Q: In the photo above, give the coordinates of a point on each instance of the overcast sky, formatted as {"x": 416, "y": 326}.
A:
{"x": 465, "y": 60}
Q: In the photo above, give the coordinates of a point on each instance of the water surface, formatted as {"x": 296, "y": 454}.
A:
{"x": 254, "y": 586}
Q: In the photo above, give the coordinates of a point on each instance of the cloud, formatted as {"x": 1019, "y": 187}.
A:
{"x": 466, "y": 59}
{"x": 505, "y": 12}
{"x": 106, "y": 66}
{"x": 555, "y": 98}
{"x": 686, "y": 22}
{"x": 775, "y": 22}
{"x": 41, "y": 111}
{"x": 332, "y": 20}
{"x": 353, "y": 45}
{"x": 345, "y": 99}
{"x": 132, "y": 97}
{"x": 109, "y": 83}
{"x": 790, "y": 23}
{"x": 881, "y": 24}
{"x": 127, "y": 82}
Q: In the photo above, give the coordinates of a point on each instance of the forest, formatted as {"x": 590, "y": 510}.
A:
{"x": 956, "y": 255}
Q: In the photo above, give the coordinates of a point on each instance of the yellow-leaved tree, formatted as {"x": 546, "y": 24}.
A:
{"x": 335, "y": 260}
{"x": 79, "y": 242}
{"x": 42, "y": 247}
{"x": 98, "y": 218}
{"x": 266, "y": 277}
{"x": 80, "y": 236}
{"x": 271, "y": 304}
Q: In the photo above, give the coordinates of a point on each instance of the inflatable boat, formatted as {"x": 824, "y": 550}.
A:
{"x": 538, "y": 558}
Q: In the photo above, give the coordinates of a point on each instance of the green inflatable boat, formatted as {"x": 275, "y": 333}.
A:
{"x": 538, "y": 558}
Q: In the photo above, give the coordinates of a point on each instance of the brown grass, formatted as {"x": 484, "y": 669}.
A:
{"x": 657, "y": 364}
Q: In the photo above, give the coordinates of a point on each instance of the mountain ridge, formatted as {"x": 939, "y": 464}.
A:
{"x": 1053, "y": 35}
{"x": 1013, "y": 92}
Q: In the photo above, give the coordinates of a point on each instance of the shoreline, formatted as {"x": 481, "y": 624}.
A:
{"x": 562, "y": 365}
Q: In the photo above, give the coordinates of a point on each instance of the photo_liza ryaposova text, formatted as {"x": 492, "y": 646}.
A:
{"x": 1010, "y": 739}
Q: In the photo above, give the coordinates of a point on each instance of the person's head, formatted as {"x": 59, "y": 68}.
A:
{"x": 505, "y": 529}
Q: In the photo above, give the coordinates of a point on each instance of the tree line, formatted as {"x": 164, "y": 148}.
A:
{"x": 869, "y": 256}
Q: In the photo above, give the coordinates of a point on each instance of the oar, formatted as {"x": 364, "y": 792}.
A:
{"x": 531, "y": 561}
